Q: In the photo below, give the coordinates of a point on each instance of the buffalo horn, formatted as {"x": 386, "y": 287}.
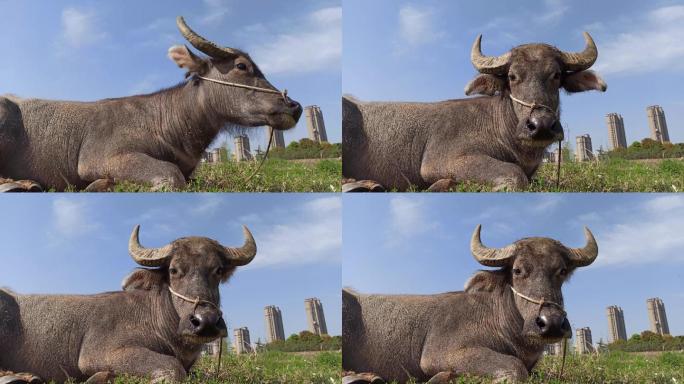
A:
{"x": 581, "y": 257}
{"x": 148, "y": 257}
{"x": 490, "y": 257}
{"x": 579, "y": 61}
{"x": 203, "y": 44}
{"x": 244, "y": 254}
{"x": 494, "y": 65}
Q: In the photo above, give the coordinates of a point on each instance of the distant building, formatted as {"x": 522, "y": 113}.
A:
{"x": 241, "y": 341}
{"x": 656, "y": 314}
{"x": 616, "y": 324}
{"x": 554, "y": 155}
{"x": 274, "y": 324}
{"x": 212, "y": 348}
{"x": 315, "y": 316}
{"x": 315, "y": 124}
{"x": 242, "y": 151}
{"x": 278, "y": 140}
{"x": 616, "y": 131}
{"x": 583, "y": 343}
{"x": 554, "y": 349}
{"x": 657, "y": 123}
{"x": 583, "y": 150}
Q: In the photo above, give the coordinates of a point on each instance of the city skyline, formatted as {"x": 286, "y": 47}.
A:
{"x": 657, "y": 316}
{"x": 616, "y": 324}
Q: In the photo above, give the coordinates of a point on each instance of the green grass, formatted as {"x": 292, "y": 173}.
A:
{"x": 610, "y": 368}
{"x": 615, "y": 175}
{"x": 265, "y": 368}
{"x": 276, "y": 175}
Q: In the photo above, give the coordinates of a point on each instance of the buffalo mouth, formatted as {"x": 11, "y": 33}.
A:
{"x": 542, "y": 138}
{"x": 285, "y": 119}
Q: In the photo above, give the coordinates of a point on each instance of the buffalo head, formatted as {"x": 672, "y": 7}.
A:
{"x": 241, "y": 106}
{"x": 190, "y": 268}
{"x": 533, "y": 74}
{"x": 535, "y": 268}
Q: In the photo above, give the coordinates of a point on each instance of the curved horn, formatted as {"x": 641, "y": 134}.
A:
{"x": 244, "y": 254}
{"x": 581, "y": 257}
{"x": 203, "y": 44}
{"x": 579, "y": 61}
{"x": 491, "y": 257}
{"x": 148, "y": 257}
{"x": 488, "y": 64}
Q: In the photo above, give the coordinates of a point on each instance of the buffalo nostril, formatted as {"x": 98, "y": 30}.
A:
{"x": 531, "y": 126}
{"x": 195, "y": 321}
{"x": 541, "y": 323}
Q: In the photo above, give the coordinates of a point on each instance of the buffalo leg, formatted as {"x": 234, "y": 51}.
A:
{"x": 136, "y": 167}
{"x": 476, "y": 361}
{"x": 138, "y": 362}
{"x": 481, "y": 169}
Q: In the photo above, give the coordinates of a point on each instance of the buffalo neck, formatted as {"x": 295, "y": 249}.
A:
{"x": 187, "y": 121}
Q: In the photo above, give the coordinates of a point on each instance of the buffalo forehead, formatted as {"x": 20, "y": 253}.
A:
{"x": 197, "y": 246}
{"x": 541, "y": 247}
{"x": 535, "y": 54}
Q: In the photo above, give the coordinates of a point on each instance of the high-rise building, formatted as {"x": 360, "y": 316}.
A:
{"x": 315, "y": 124}
{"x": 242, "y": 151}
{"x": 616, "y": 324}
{"x": 616, "y": 131}
{"x": 278, "y": 140}
{"x": 315, "y": 316}
{"x": 274, "y": 324}
{"x": 583, "y": 343}
{"x": 241, "y": 341}
{"x": 657, "y": 123}
{"x": 583, "y": 150}
{"x": 656, "y": 314}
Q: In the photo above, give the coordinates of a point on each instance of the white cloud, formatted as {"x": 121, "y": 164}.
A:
{"x": 310, "y": 45}
{"x": 148, "y": 84}
{"x": 649, "y": 45}
{"x": 313, "y": 234}
{"x": 407, "y": 218}
{"x": 417, "y": 25}
{"x": 207, "y": 204}
{"x": 650, "y": 234}
{"x": 217, "y": 10}
{"x": 547, "y": 203}
{"x": 554, "y": 11}
{"x": 80, "y": 28}
{"x": 72, "y": 218}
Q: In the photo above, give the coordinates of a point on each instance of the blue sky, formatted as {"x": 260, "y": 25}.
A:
{"x": 420, "y": 51}
{"x": 78, "y": 244}
{"x": 83, "y": 50}
{"x": 412, "y": 243}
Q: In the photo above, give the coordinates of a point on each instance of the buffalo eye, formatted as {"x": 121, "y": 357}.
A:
{"x": 512, "y": 77}
{"x": 563, "y": 272}
{"x": 219, "y": 271}
{"x": 241, "y": 66}
{"x": 556, "y": 76}
{"x": 517, "y": 271}
{"x": 173, "y": 271}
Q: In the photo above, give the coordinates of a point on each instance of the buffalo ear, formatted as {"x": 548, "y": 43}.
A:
{"x": 484, "y": 84}
{"x": 145, "y": 280}
{"x": 486, "y": 281}
{"x": 184, "y": 58}
{"x": 584, "y": 81}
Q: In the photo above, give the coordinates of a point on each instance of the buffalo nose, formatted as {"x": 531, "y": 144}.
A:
{"x": 537, "y": 124}
{"x": 202, "y": 322}
{"x": 553, "y": 326}
{"x": 296, "y": 109}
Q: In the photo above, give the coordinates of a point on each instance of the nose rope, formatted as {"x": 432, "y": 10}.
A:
{"x": 541, "y": 303}
{"x": 283, "y": 93}
{"x": 196, "y": 301}
{"x": 534, "y": 105}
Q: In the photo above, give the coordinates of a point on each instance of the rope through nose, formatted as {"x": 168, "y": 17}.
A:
{"x": 196, "y": 301}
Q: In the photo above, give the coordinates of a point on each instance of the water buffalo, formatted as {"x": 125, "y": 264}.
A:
{"x": 157, "y": 138}
{"x": 497, "y": 139}
{"x": 498, "y": 326}
{"x": 154, "y": 328}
